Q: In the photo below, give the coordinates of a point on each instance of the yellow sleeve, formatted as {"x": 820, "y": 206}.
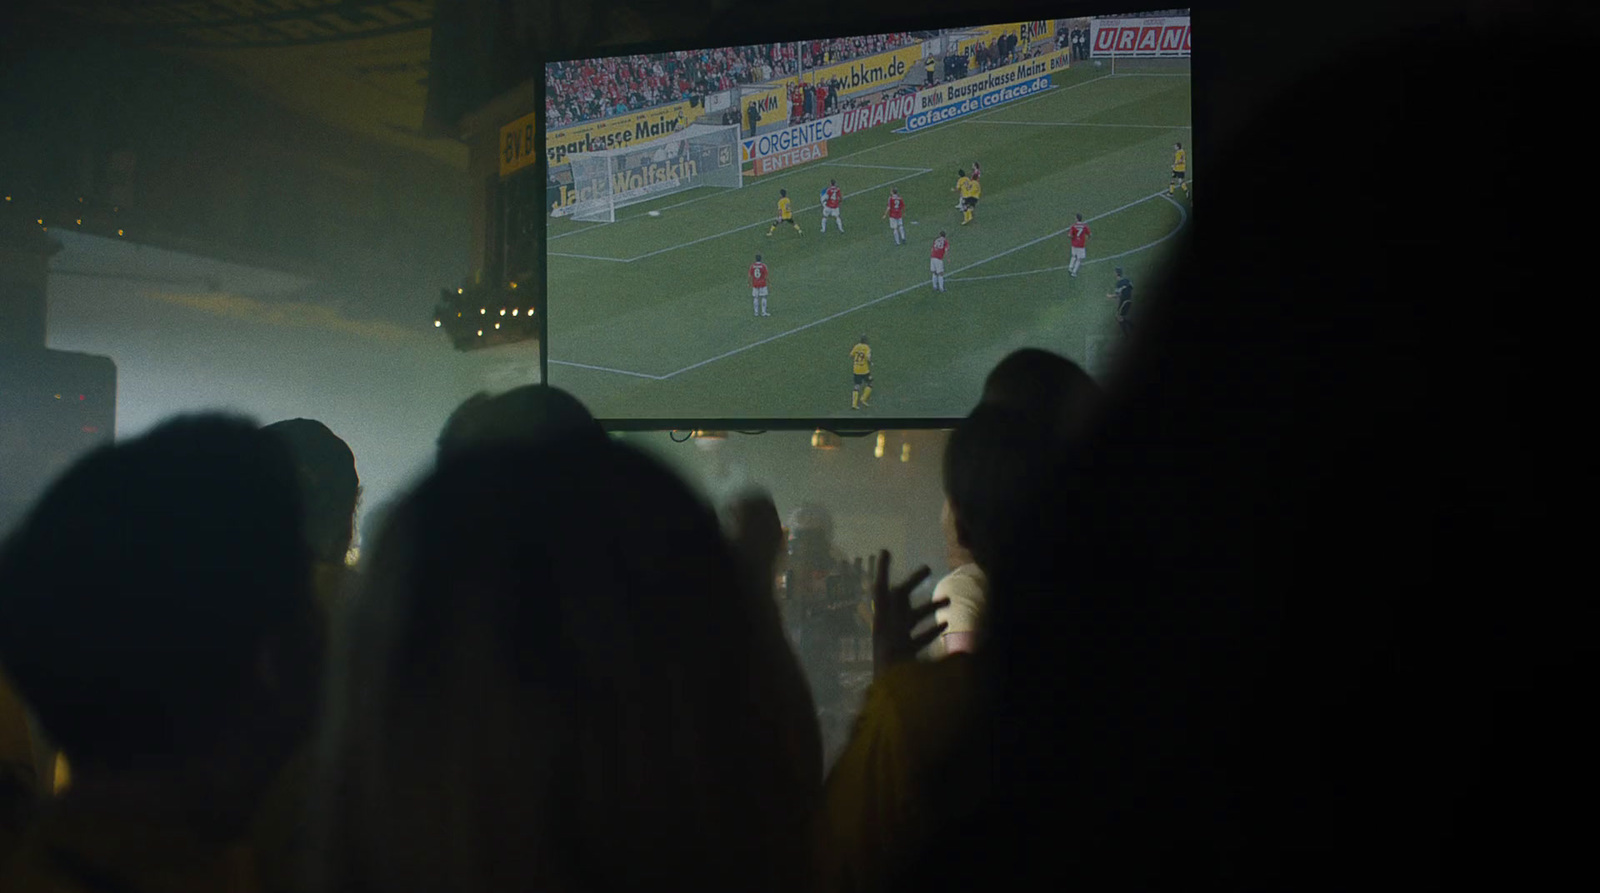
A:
{"x": 19, "y": 773}
{"x": 880, "y": 805}
{"x": 864, "y": 802}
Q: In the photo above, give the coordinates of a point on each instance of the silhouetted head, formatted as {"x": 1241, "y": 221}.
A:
{"x": 528, "y": 414}
{"x": 619, "y": 707}
{"x": 156, "y": 607}
{"x": 999, "y": 463}
{"x": 329, "y": 486}
{"x": 1045, "y": 385}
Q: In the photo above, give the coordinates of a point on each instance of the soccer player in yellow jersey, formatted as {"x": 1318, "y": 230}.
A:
{"x": 1179, "y": 165}
{"x": 861, "y": 365}
{"x": 961, "y": 190}
{"x": 969, "y": 200}
{"x": 785, "y": 213}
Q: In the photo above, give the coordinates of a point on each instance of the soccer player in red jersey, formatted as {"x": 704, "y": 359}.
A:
{"x": 758, "y": 287}
{"x": 896, "y": 213}
{"x": 831, "y": 198}
{"x": 1078, "y": 235}
{"x": 936, "y": 260}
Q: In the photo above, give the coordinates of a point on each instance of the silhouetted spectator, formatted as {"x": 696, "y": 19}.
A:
{"x": 892, "y": 788}
{"x": 1037, "y": 381}
{"x": 330, "y": 490}
{"x": 525, "y": 414}
{"x": 622, "y": 713}
{"x": 1317, "y": 630}
{"x": 156, "y": 613}
{"x": 21, "y": 787}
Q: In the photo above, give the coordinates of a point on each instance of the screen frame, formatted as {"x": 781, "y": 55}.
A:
{"x": 735, "y": 33}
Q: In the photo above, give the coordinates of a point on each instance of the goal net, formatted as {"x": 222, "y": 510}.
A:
{"x": 700, "y": 155}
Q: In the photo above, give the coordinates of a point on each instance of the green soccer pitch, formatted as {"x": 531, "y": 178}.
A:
{"x": 651, "y": 317}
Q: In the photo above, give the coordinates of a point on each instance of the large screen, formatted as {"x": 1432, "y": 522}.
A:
{"x": 858, "y": 227}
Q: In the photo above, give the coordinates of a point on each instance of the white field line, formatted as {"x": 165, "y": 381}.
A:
{"x": 605, "y": 369}
{"x": 1082, "y": 124}
{"x": 894, "y": 294}
{"x": 881, "y": 167}
{"x": 699, "y": 198}
{"x": 1183, "y": 220}
{"x": 739, "y": 229}
{"x": 967, "y": 120}
{"x": 615, "y": 260}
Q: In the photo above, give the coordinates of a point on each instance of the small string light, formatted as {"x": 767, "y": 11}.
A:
{"x": 480, "y": 333}
{"x": 513, "y": 285}
{"x": 482, "y": 311}
{"x": 80, "y": 221}
{"x": 514, "y": 311}
{"x": 502, "y": 311}
{"x": 437, "y": 323}
{"x": 497, "y": 325}
{"x": 460, "y": 291}
{"x": 119, "y": 232}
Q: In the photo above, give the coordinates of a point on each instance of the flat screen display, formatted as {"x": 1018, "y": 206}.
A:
{"x": 858, "y": 227}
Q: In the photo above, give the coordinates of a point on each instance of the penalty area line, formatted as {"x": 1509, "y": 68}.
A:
{"x": 554, "y": 362}
{"x": 895, "y": 294}
{"x": 1080, "y": 124}
{"x": 739, "y": 229}
{"x": 615, "y": 260}
{"x": 900, "y": 137}
{"x": 881, "y": 167}
{"x": 1183, "y": 220}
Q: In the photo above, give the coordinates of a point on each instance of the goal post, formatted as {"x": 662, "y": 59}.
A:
{"x": 699, "y": 155}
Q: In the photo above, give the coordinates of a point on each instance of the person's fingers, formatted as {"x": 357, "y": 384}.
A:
{"x": 923, "y": 640}
{"x": 922, "y": 611}
{"x": 913, "y": 581}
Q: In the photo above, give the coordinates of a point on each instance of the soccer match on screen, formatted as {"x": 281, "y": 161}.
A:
{"x": 860, "y": 226}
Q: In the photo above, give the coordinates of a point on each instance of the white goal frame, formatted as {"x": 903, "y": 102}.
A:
{"x": 612, "y": 179}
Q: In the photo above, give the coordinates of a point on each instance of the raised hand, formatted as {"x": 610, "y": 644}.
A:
{"x": 893, "y": 618}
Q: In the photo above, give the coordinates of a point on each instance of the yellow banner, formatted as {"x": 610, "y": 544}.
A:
{"x": 772, "y": 106}
{"x": 878, "y": 72}
{"x": 518, "y": 140}
{"x": 518, "y": 144}
{"x": 1026, "y": 33}
{"x": 994, "y": 79}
